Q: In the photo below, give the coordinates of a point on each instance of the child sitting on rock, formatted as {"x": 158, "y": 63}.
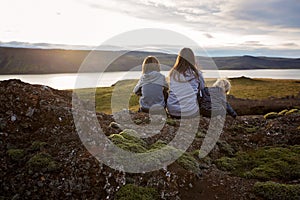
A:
{"x": 152, "y": 86}
{"x": 225, "y": 86}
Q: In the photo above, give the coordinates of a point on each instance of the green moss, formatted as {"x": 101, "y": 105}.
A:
{"x": 116, "y": 137}
{"x": 128, "y": 141}
{"x": 138, "y": 121}
{"x": 271, "y": 190}
{"x": 227, "y": 164}
{"x": 188, "y": 162}
{"x": 291, "y": 111}
{"x": 133, "y": 136}
{"x": 200, "y": 134}
{"x": 240, "y": 128}
{"x": 171, "y": 122}
{"x": 252, "y": 129}
{"x": 158, "y": 145}
{"x": 16, "y": 154}
{"x": 282, "y": 112}
{"x": 264, "y": 163}
{"x": 37, "y": 145}
{"x": 133, "y": 192}
{"x": 271, "y": 115}
{"x": 42, "y": 162}
{"x": 225, "y": 148}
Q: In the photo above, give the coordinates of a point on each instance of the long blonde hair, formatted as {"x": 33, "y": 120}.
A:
{"x": 185, "y": 61}
{"x": 150, "y": 64}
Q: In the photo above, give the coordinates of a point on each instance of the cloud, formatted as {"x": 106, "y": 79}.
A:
{"x": 245, "y": 23}
{"x": 270, "y": 12}
{"x": 290, "y": 44}
{"x": 243, "y": 16}
{"x": 208, "y": 35}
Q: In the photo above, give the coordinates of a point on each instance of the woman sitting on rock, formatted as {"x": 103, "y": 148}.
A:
{"x": 184, "y": 79}
{"x": 152, "y": 86}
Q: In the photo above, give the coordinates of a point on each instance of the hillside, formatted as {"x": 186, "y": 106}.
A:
{"x": 42, "y": 155}
{"x": 44, "y": 61}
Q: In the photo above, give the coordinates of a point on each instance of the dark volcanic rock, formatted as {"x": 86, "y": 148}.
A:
{"x": 42, "y": 155}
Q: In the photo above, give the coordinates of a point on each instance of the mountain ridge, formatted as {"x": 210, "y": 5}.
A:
{"x": 45, "y": 61}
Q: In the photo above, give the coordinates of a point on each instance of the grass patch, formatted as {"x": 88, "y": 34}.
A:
{"x": 263, "y": 88}
{"x": 264, "y": 163}
{"x": 103, "y": 96}
{"x": 271, "y": 190}
{"x": 241, "y": 88}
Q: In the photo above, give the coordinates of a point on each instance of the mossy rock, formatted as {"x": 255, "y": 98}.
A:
{"x": 133, "y": 192}
{"x": 37, "y": 145}
{"x": 164, "y": 152}
{"x": 283, "y": 112}
{"x": 16, "y": 154}
{"x": 42, "y": 162}
{"x": 291, "y": 111}
{"x": 116, "y": 137}
{"x": 114, "y": 125}
{"x": 271, "y": 190}
{"x": 127, "y": 141}
{"x": 271, "y": 115}
{"x": 264, "y": 163}
{"x": 158, "y": 145}
{"x": 188, "y": 162}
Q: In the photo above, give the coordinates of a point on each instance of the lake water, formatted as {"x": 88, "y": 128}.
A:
{"x": 87, "y": 80}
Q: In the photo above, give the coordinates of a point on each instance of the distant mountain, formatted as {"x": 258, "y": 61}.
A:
{"x": 42, "y": 61}
{"x": 251, "y": 62}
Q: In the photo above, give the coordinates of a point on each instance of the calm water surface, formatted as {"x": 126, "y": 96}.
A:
{"x": 86, "y": 80}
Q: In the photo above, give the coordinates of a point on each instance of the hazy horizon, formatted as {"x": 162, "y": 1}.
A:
{"x": 210, "y": 52}
{"x": 222, "y": 28}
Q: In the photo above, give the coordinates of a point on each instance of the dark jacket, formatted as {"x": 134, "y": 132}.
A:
{"x": 214, "y": 102}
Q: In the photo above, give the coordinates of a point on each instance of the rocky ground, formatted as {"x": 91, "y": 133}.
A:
{"x": 42, "y": 155}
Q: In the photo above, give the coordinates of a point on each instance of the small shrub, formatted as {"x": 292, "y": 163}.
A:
{"x": 271, "y": 190}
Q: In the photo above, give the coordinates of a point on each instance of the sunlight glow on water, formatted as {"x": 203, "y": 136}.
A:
{"x": 68, "y": 80}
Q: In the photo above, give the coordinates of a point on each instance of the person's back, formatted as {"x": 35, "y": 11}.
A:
{"x": 220, "y": 88}
{"x": 152, "y": 90}
{"x": 151, "y": 86}
{"x": 182, "y": 100}
{"x": 184, "y": 80}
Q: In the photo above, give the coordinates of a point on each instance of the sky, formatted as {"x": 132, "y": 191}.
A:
{"x": 221, "y": 27}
